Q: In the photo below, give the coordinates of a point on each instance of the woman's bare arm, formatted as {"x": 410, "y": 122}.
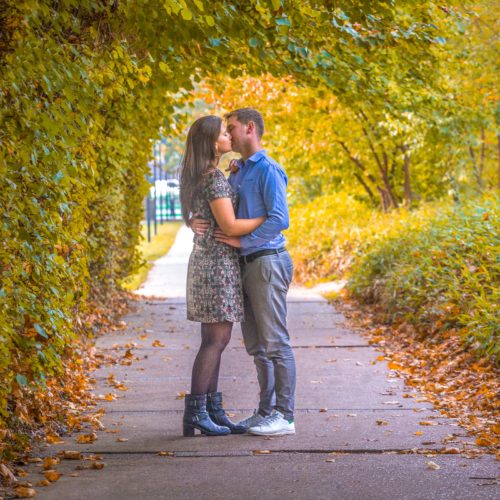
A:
{"x": 223, "y": 211}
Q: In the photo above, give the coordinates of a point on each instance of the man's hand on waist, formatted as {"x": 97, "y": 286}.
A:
{"x": 232, "y": 241}
{"x": 199, "y": 226}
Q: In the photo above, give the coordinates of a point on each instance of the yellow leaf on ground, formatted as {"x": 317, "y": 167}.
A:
{"x": 425, "y": 422}
{"x": 50, "y": 462}
{"x": 484, "y": 441}
{"x": 24, "y": 492}
{"x": 86, "y": 438}
{"x": 261, "y": 452}
{"x": 53, "y": 439}
{"x": 52, "y": 475}
{"x": 121, "y": 440}
{"x": 43, "y": 482}
{"x": 71, "y": 455}
{"x": 97, "y": 465}
{"x": 419, "y": 433}
{"x": 157, "y": 343}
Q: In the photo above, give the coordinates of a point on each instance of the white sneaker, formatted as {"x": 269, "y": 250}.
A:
{"x": 253, "y": 420}
{"x": 274, "y": 425}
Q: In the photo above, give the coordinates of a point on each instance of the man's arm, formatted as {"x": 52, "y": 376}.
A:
{"x": 273, "y": 187}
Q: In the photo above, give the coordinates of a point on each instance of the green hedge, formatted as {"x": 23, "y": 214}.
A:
{"x": 441, "y": 273}
{"x": 73, "y": 160}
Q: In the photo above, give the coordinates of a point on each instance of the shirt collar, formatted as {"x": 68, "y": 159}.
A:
{"x": 256, "y": 157}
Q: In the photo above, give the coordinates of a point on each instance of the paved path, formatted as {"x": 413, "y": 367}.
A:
{"x": 353, "y": 417}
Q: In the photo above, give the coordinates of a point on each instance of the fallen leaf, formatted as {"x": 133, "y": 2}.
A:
{"x": 97, "y": 465}
{"x": 71, "y": 455}
{"x": 426, "y": 422}
{"x": 181, "y": 395}
{"x": 122, "y": 440}
{"x": 86, "y": 438}
{"x": 157, "y": 343}
{"x": 7, "y": 475}
{"x": 432, "y": 465}
{"x": 24, "y": 492}
{"x": 261, "y": 452}
{"x": 323, "y": 410}
{"x": 53, "y": 439}
{"x": 484, "y": 441}
{"x": 128, "y": 354}
{"x": 450, "y": 451}
{"x": 52, "y": 475}
{"x": 331, "y": 460}
{"x": 166, "y": 454}
{"x": 50, "y": 462}
{"x": 43, "y": 482}
{"x": 418, "y": 433}
{"x": 382, "y": 422}
{"x": 352, "y": 415}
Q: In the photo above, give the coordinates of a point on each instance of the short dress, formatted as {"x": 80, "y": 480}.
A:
{"x": 214, "y": 292}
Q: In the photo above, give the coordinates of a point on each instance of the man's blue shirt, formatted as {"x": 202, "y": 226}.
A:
{"x": 261, "y": 185}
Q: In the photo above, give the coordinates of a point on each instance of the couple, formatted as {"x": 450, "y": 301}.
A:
{"x": 238, "y": 270}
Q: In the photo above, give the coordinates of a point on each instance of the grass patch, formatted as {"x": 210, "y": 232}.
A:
{"x": 150, "y": 251}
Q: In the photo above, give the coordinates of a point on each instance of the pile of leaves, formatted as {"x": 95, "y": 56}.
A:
{"x": 442, "y": 368}
{"x": 64, "y": 403}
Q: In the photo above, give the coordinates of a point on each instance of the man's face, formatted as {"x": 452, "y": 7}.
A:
{"x": 238, "y": 134}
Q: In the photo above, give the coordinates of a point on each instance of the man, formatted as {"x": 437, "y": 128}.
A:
{"x": 266, "y": 269}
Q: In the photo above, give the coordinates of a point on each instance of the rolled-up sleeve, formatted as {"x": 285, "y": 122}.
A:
{"x": 272, "y": 184}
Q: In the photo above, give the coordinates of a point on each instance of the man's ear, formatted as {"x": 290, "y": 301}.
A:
{"x": 250, "y": 127}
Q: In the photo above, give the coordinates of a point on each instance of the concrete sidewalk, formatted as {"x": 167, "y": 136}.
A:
{"x": 354, "y": 417}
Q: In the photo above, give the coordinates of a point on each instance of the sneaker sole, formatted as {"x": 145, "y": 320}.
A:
{"x": 279, "y": 433}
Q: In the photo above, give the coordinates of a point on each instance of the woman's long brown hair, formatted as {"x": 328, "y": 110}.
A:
{"x": 198, "y": 159}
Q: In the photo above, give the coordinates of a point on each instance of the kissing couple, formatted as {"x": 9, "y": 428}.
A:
{"x": 239, "y": 271}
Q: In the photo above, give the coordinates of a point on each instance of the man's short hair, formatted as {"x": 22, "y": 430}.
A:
{"x": 245, "y": 115}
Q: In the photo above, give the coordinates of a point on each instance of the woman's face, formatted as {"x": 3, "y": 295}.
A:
{"x": 223, "y": 144}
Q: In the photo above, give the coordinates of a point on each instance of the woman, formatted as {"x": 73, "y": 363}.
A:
{"x": 214, "y": 294}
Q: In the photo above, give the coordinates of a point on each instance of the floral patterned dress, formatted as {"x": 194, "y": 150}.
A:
{"x": 214, "y": 292}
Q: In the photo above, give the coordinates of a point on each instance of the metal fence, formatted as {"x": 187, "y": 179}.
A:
{"x": 162, "y": 203}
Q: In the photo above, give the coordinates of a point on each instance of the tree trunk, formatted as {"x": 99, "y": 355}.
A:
{"x": 366, "y": 187}
{"x": 477, "y": 172}
{"x": 409, "y": 197}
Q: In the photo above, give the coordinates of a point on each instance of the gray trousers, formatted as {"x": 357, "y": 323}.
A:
{"x": 265, "y": 285}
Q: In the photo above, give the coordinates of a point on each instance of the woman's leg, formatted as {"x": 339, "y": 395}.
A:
{"x": 214, "y": 339}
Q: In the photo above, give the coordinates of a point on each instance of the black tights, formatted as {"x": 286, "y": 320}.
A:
{"x": 214, "y": 339}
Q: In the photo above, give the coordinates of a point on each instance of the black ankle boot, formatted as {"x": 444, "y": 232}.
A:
{"x": 196, "y": 417}
{"x": 218, "y": 415}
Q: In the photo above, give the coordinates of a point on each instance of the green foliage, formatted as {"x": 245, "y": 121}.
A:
{"x": 85, "y": 87}
{"x": 439, "y": 273}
